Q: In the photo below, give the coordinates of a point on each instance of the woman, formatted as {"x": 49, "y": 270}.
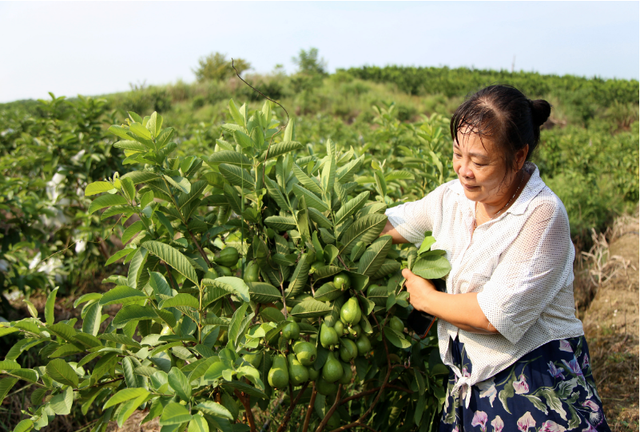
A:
{"x": 508, "y": 332}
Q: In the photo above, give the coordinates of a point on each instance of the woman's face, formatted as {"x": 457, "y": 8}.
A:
{"x": 481, "y": 169}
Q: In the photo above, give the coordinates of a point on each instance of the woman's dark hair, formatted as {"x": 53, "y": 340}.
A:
{"x": 505, "y": 115}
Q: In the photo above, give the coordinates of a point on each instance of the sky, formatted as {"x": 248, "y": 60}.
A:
{"x": 94, "y": 48}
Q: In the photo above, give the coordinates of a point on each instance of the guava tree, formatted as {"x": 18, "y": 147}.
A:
{"x": 259, "y": 295}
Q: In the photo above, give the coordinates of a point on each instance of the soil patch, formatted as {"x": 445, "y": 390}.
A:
{"x": 611, "y": 322}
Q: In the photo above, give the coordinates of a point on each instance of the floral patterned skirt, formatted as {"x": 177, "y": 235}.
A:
{"x": 549, "y": 389}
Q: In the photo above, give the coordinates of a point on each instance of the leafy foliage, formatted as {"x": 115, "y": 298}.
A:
{"x": 199, "y": 334}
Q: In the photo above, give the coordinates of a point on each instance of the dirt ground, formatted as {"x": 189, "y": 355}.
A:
{"x": 611, "y": 321}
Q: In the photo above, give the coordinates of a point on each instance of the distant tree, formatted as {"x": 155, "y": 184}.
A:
{"x": 216, "y": 67}
{"x": 310, "y": 73}
{"x": 308, "y": 62}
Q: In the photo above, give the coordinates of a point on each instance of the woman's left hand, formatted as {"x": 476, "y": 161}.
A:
{"x": 418, "y": 289}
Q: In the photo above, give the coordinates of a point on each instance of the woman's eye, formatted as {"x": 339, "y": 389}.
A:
{"x": 479, "y": 164}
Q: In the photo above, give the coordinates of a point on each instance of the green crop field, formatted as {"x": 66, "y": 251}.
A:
{"x": 213, "y": 258}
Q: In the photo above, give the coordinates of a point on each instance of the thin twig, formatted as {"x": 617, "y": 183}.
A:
{"x": 292, "y": 406}
{"x": 312, "y": 402}
{"x": 258, "y": 91}
{"x": 204, "y": 255}
{"x": 350, "y": 425}
{"x": 247, "y": 409}
{"x": 328, "y": 415}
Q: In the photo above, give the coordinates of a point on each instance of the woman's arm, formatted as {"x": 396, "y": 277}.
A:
{"x": 395, "y": 235}
{"x": 461, "y": 310}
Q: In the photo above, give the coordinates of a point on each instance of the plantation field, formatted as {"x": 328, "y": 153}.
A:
{"x": 155, "y": 244}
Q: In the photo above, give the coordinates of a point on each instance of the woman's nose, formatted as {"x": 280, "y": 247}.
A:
{"x": 465, "y": 170}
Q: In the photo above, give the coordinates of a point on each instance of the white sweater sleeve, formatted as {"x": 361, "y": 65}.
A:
{"x": 531, "y": 272}
{"x": 412, "y": 220}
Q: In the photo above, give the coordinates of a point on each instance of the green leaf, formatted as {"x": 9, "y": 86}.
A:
{"x": 271, "y": 314}
{"x": 198, "y": 424}
{"x": 235, "y": 113}
{"x": 179, "y": 182}
{"x": 140, "y": 130}
{"x": 6, "y": 384}
{"x": 62, "y": 402}
{"x": 196, "y": 190}
{"x": 128, "y": 372}
{"x": 174, "y": 413}
{"x": 180, "y": 384}
{"x": 173, "y": 258}
{"x": 214, "y": 409}
{"x": 274, "y": 192}
{"x": 106, "y": 201}
{"x": 233, "y": 198}
{"x": 351, "y": 207}
{"x": 280, "y": 149}
{"x": 290, "y": 131}
{"x": 281, "y": 223}
{"x": 92, "y": 319}
{"x": 164, "y": 137}
{"x": 98, "y": 187}
{"x": 89, "y": 297}
{"x": 130, "y": 145}
{"x": 182, "y": 299}
{"x": 131, "y": 231}
{"x": 152, "y": 124}
{"x": 320, "y": 219}
{"x": 312, "y": 200}
{"x": 428, "y": 241}
{"x": 306, "y": 181}
{"x": 235, "y": 326}
{"x": 159, "y": 284}
{"x": 366, "y": 229}
{"x": 388, "y": 266}
{"x": 26, "y": 374}
{"x": 125, "y": 395}
{"x": 24, "y": 426}
{"x": 371, "y": 209}
{"x": 136, "y": 267}
{"x": 128, "y": 188}
{"x": 329, "y": 170}
{"x": 138, "y": 177}
{"x": 125, "y": 410}
{"x": 120, "y": 132}
{"x": 237, "y": 176}
{"x": 49, "y": 307}
{"x": 396, "y": 338}
{"x": 229, "y": 157}
{"x": 431, "y": 266}
{"x": 233, "y": 284}
{"x": 63, "y": 330}
{"x": 243, "y": 139}
{"x": 132, "y": 312}
{"x": 327, "y": 292}
{"x": 374, "y": 256}
{"x": 261, "y": 292}
{"x": 346, "y": 172}
{"x": 327, "y": 271}
{"x": 380, "y": 183}
{"x": 121, "y": 294}
{"x": 61, "y": 372}
{"x": 299, "y": 277}
{"x": 310, "y": 308}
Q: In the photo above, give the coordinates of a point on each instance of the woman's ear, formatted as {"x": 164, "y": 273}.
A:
{"x": 521, "y": 157}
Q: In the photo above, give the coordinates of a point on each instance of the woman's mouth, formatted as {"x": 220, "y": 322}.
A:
{"x": 469, "y": 187}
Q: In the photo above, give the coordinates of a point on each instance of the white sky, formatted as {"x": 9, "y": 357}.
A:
{"x": 94, "y": 48}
